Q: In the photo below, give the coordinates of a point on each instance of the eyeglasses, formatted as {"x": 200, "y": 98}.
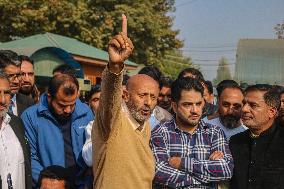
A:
{"x": 14, "y": 76}
{"x": 5, "y": 93}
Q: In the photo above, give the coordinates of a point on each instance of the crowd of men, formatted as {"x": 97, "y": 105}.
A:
{"x": 144, "y": 131}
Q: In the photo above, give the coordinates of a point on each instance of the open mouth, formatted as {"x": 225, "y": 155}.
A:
{"x": 145, "y": 112}
{"x": 26, "y": 85}
{"x": 2, "y": 108}
{"x": 14, "y": 88}
{"x": 246, "y": 117}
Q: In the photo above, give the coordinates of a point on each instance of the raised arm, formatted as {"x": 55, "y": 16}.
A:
{"x": 119, "y": 49}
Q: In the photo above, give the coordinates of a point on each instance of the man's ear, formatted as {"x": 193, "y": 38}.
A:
{"x": 272, "y": 113}
{"x": 174, "y": 106}
{"x": 125, "y": 95}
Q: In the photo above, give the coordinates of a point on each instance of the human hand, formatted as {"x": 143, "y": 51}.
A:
{"x": 175, "y": 162}
{"x": 216, "y": 155}
{"x": 120, "y": 48}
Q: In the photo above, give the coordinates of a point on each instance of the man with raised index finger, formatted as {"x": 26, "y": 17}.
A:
{"x": 122, "y": 157}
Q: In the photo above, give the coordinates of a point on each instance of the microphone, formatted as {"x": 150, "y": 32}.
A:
{"x": 9, "y": 181}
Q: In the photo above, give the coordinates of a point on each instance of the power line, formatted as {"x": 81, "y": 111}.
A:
{"x": 211, "y": 47}
{"x": 210, "y": 60}
{"x": 197, "y": 59}
{"x": 213, "y": 65}
{"x": 227, "y": 50}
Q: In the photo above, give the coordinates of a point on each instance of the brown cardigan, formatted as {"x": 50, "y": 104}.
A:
{"x": 122, "y": 157}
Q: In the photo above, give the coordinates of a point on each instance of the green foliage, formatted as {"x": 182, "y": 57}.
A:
{"x": 279, "y": 30}
{"x": 173, "y": 62}
{"x": 223, "y": 71}
{"x": 95, "y": 22}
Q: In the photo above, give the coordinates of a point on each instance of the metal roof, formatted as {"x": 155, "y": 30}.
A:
{"x": 29, "y": 45}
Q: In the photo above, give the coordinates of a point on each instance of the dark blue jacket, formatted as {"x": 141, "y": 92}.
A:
{"x": 45, "y": 137}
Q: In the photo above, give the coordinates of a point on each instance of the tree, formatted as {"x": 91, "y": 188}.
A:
{"x": 95, "y": 22}
{"x": 223, "y": 71}
{"x": 173, "y": 62}
{"x": 279, "y": 30}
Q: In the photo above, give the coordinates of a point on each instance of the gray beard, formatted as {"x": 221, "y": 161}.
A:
{"x": 3, "y": 113}
{"x": 136, "y": 114}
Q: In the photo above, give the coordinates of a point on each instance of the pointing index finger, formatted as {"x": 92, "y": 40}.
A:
{"x": 124, "y": 24}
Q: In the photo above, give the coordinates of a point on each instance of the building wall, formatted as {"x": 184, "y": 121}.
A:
{"x": 92, "y": 72}
{"x": 260, "y": 61}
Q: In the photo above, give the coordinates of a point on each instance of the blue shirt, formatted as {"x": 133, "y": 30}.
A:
{"x": 196, "y": 170}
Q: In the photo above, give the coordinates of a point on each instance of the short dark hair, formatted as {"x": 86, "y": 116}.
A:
{"x": 69, "y": 82}
{"x": 94, "y": 89}
{"x": 58, "y": 173}
{"x": 227, "y": 83}
{"x": 8, "y": 57}
{"x": 198, "y": 75}
{"x": 26, "y": 58}
{"x": 166, "y": 82}
{"x": 65, "y": 69}
{"x": 209, "y": 86}
{"x": 186, "y": 83}
{"x": 152, "y": 71}
{"x": 271, "y": 95}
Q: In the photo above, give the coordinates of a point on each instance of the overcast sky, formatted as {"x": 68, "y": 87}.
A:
{"x": 212, "y": 28}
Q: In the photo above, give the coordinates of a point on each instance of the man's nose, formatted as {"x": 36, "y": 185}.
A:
{"x": 2, "y": 98}
{"x": 245, "y": 108}
{"x": 16, "y": 80}
{"x": 25, "y": 77}
{"x": 194, "y": 109}
{"x": 147, "y": 100}
{"x": 282, "y": 104}
{"x": 67, "y": 109}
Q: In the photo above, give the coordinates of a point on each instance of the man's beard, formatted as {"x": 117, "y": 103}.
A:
{"x": 230, "y": 121}
{"x": 27, "y": 90}
{"x": 3, "y": 113}
{"x": 281, "y": 116}
{"x": 136, "y": 112}
{"x": 165, "y": 105}
{"x": 62, "y": 119}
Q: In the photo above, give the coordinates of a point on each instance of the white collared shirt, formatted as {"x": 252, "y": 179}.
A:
{"x": 87, "y": 148}
{"x": 11, "y": 156}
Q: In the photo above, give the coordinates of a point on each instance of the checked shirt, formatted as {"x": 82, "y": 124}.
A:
{"x": 196, "y": 170}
